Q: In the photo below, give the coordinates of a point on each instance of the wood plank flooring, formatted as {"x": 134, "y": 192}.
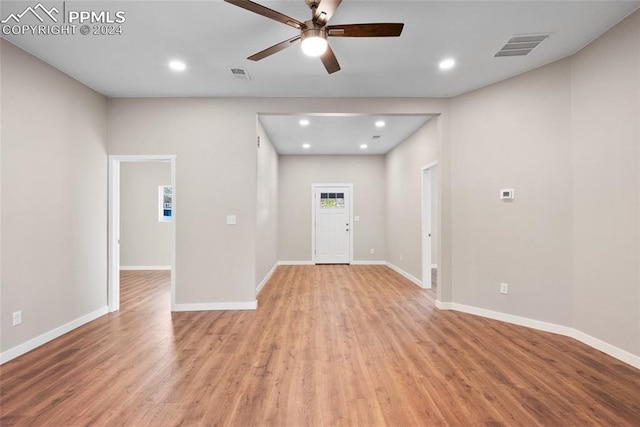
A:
{"x": 328, "y": 345}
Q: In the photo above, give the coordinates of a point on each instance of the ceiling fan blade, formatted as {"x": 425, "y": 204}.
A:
{"x": 365, "y": 30}
{"x": 274, "y": 49}
{"x": 325, "y": 11}
{"x": 330, "y": 61}
{"x": 265, "y": 11}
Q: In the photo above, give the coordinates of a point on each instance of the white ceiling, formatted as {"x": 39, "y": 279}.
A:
{"x": 213, "y": 36}
{"x": 339, "y": 133}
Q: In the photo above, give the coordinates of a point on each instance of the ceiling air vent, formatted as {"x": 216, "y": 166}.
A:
{"x": 240, "y": 74}
{"x": 375, "y": 137}
{"x": 521, "y": 45}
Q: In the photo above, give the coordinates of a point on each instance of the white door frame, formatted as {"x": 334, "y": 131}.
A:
{"x": 313, "y": 218}
{"x": 427, "y": 222}
{"x": 113, "y": 291}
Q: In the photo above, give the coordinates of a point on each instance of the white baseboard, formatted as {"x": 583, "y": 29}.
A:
{"x": 266, "y": 278}
{"x": 368, "y": 262}
{"x": 607, "y": 348}
{"x": 145, "y": 267}
{"x": 567, "y": 331}
{"x": 404, "y": 273}
{"x": 216, "y": 306}
{"x": 51, "y": 335}
{"x": 296, "y": 263}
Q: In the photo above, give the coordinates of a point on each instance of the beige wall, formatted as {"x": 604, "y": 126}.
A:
{"x": 514, "y": 134}
{"x": 297, "y": 173}
{"x": 267, "y": 206}
{"x": 606, "y": 191}
{"x": 566, "y": 138}
{"x": 144, "y": 241}
{"x": 214, "y": 140}
{"x": 54, "y": 198}
{"x": 404, "y": 197}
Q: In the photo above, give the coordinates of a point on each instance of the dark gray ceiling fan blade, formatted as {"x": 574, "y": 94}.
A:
{"x": 269, "y": 13}
{"x": 274, "y": 49}
{"x": 325, "y": 11}
{"x": 365, "y": 30}
{"x": 330, "y": 61}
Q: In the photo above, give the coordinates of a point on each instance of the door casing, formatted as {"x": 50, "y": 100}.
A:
{"x": 427, "y": 220}
{"x": 113, "y": 287}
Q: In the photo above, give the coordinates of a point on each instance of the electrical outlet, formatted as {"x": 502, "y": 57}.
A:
{"x": 504, "y": 288}
{"x": 17, "y": 318}
{"x": 372, "y": 251}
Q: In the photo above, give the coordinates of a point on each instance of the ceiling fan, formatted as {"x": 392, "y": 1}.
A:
{"x": 314, "y": 32}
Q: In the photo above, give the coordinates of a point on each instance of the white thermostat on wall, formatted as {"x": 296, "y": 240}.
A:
{"x": 507, "y": 194}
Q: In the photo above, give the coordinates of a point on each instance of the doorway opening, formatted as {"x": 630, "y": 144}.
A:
{"x": 331, "y": 223}
{"x": 430, "y": 225}
{"x": 113, "y": 291}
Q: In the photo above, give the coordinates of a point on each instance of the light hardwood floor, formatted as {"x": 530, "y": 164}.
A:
{"x": 328, "y": 345}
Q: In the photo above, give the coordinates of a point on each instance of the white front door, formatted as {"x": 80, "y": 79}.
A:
{"x": 332, "y": 225}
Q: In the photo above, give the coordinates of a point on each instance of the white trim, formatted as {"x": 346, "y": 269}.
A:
{"x": 404, "y": 273}
{"x": 567, "y": 331}
{"x": 145, "y": 267}
{"x": 368, "y": 262}
{"x": 444, "y": 305}
{"x": 607, "y": 348}
{"x": 296, "y": 263}
{"x": 429, "y": 165}
{"x": 266, "y": 278}
{"x": 313, "y": 218}
{"x": 426, "y": 203}
{"x": 144, "y": 157}
{"x": 36, "y": 342}
{"x": 113, "y": 287}
{"x": 113, "y": 272}
{"x": 216, "y": 306}
{"x": 434, "y": 265}
{"x": 509, "y": 318}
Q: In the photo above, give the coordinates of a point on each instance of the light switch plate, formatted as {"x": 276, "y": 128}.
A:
{"x": 356, "y": 218}
{"x": 231, "y": 220}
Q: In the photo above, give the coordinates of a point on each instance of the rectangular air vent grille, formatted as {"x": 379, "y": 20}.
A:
{"x": 521, "y": 45}
{"x": 375, "y": 137}
{"x": 240, "y": 74}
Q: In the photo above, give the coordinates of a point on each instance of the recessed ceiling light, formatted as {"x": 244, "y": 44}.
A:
{"x": 176, "y": 65}
{"x": 306, "y": 146}
{"x": 380, "y": 123}
{"x": 304, "y": 122}
{"x": 363, "y": 146}
{"x": 447, "y": 64}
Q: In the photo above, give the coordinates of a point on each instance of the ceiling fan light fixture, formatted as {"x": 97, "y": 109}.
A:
{"x": 314, "y": 41}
